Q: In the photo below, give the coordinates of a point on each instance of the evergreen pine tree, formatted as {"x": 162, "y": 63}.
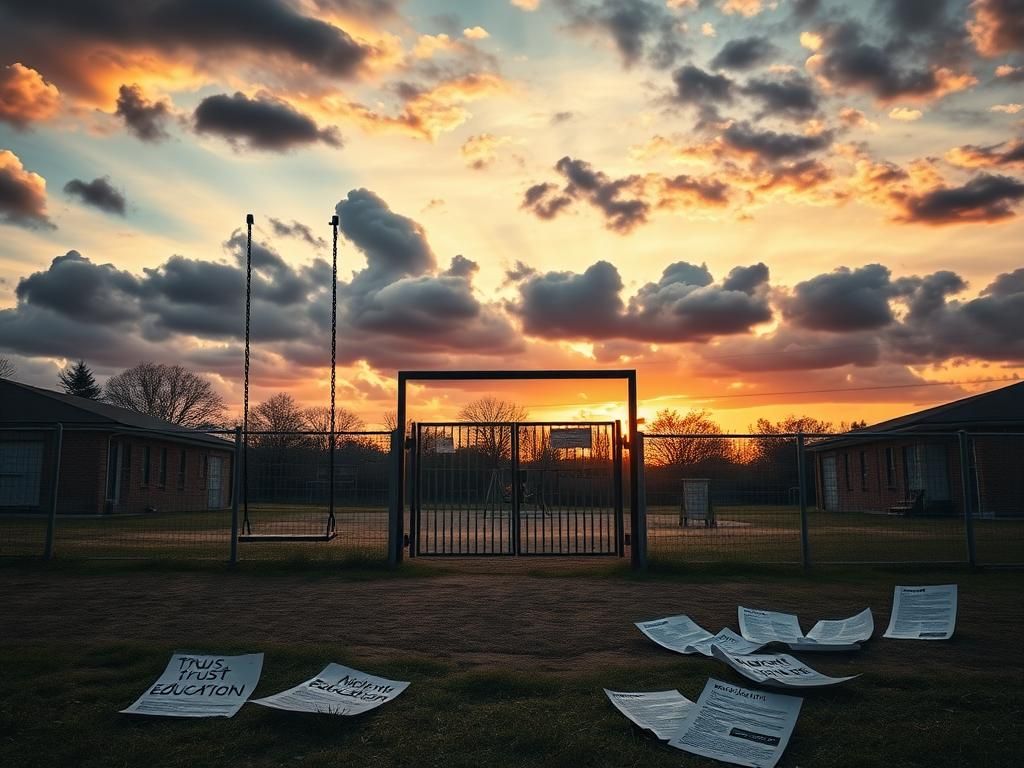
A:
{"x": 78, "y": 380}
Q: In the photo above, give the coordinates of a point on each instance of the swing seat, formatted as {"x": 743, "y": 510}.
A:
{"x": 252, "y": 538}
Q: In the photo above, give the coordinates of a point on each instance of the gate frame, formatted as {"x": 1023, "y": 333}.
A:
{"x": 637, "y": 548}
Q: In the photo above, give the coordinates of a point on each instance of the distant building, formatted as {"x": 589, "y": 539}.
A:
{"x": 920, "y": 473}
{"x": 113, "y": 460}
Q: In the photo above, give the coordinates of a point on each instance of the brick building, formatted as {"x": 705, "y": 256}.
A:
{"x": 112, "y": 460}
{"x": 920, "y": 473}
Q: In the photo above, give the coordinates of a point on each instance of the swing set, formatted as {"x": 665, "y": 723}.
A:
{"x": 330, "y": 530}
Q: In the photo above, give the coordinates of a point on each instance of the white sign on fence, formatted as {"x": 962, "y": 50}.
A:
{"x": 923, "y": 613}
{"x": 661, "y": 712}
{"x": 444, "y": 444}
{"x": 201, "y": 685}
{"x": 573, "y": 437}
{"x": 737, "y": 725}
{"x": 337, "y": 690}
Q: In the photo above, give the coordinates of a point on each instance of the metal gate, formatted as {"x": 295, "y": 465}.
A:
{"x": 525, "y": 488}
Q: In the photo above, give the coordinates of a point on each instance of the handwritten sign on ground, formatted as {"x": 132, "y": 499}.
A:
{"x": 923, "y": 613}
{"x": 779, "y": 670}
{"x": 201, "y": 685}
{"x": 737, "y": 725}
{"x": 574, "y": 437}
{"x": 337, "y": 690}
{"x": 768, "y": 627}
{"x": 661, "y": 712}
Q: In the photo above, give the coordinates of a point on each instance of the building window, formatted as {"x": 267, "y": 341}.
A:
{"x": 846, "y": 471}
{"x": 126, "y": 465}
{"x": 146, "y": 457}
{"x": 890, "y": 468}
{"x": 863, "y": 471}
{"x": 181, "y": 471}
{"x": 163, "y": 468}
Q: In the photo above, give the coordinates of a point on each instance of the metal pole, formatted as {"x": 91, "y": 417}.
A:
{"x": 236, "y": 477}
{"x": 965, "y": 483}
{"x": 245, "y": 401}
{"x": 801, "y": 474}
{"x": 635, "y": 473}
{"x": 516, "y": 500}
{"x": 640, "y": 531}
{"x": 620, "y": 544}
{"x": 394, "y": 508}
{"x": 51, "y": 524}
{"x": 334, "y": 360}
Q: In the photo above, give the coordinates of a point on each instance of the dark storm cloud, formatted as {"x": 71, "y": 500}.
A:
{"x": 98, "y": 193}
{"x": 986, "y": 197}
{"x": 710, "y": 191}
{"x": 794, "y": 97}
{"x": 261, "y": 123}
{"x": 805, "y": 8}
{"x": 914, "y": 16}
{"x": 144, "y": 118}
{"x": 212, "y": 29}
{"x": 683, "y": 305}
{"x": 843, "y": 300}
{"x": 991, "y": 156}
{"x": 848, "y": 61}
{"x": 368, "y": 9}
{"x": 78, "y": 307}
{"x": 618, "y": 199}
{"x": 22, "y": 195}
{"x": 745, "y": 53}
{"x": 771, "y": 146}
{"x": 695, "y": 86}
{"x": 639, "y": 28}
{"x": 297, "y": 230}
{"x": 395, "y": 245}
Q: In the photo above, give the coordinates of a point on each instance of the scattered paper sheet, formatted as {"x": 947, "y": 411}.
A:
{"x": 779, "y": 670}
{"x": 337, "y": 690}
{"x": 729, "y": 640}
{"x": 677, "y": 633}
{"x": 201, "y": 685}
{"x": 923, "y": 613}
{"x": 768, "y": 627}
{"x": 661, "y": 712}
{"x": 738, "y": 725}
{"x": 856, "y": 629}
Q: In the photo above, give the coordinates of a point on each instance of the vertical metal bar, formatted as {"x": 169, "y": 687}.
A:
{"x": 51, "y": 523}
{"x": 515, "y": 534}
{"x": 617, "y": 504}
{"x": 639, "y": 532}
{"x": 236, "y": 480}
{"x": 414, "y": 502}
{"x": 801, "y": 474}
{"x": 402, "y": 476}
{"x": 394, "y": 509}
{"x": 965, "y": 483}
{"x": 636, "y": 560}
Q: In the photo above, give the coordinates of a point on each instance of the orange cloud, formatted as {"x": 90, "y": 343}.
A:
{"x": 746, "y": 8}
{"x": 23, "y": 201}
{"x": 996, "y": 27}
{"x": 480, "y": 151}
{"x": 25, "y": 97}
{"x": 993, "y": 156}
{"x": 476, "y": 33}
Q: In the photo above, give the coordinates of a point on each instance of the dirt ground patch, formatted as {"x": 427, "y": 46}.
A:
{"x": 490, "y": 614}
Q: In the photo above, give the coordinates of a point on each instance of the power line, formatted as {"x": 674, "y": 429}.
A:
{"x": 859, "y": 389}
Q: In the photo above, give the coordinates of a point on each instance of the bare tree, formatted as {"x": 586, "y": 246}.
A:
{"x": 168, "y": 392}
{"x": 281, "y": 416}
{"x": 495, "y": 442}
{"x": 7, "y": 369}
{"x": 678, "y": 449}
{"x": 318, "y": 419}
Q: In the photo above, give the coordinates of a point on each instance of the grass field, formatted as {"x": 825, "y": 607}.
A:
{"x": 507, "y": 660}
{"x": 761, "y": 534}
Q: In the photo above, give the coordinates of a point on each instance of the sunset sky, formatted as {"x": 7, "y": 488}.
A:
{"x": 801, "y": 206}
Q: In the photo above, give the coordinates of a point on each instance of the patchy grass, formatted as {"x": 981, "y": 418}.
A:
{"x": 506, "y": 669}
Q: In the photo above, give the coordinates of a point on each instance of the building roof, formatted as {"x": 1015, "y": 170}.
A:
{"x": 996, "y": 410}
{"x": 22, "y": 405}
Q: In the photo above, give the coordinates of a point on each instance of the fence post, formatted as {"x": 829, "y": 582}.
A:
{"x": 236, "y": 475}
{"x": 51, "y": 524}
{"x": 965, "y": 483}
{"x": 801, "y": 474}
{"x": 639, "y": 536}
{"x": 394, "y": 508}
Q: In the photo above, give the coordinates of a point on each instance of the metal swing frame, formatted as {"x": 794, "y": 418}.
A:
{"x": 331, "y": 527}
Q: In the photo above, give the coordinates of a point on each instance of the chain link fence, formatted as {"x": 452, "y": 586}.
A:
{"x": 79, "y": 492}
{"x": 908, "y": 497}
{"x": 853, "y": 498}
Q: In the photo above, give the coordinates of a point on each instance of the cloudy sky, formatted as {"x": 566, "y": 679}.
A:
{"x": 767, "y": 207}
